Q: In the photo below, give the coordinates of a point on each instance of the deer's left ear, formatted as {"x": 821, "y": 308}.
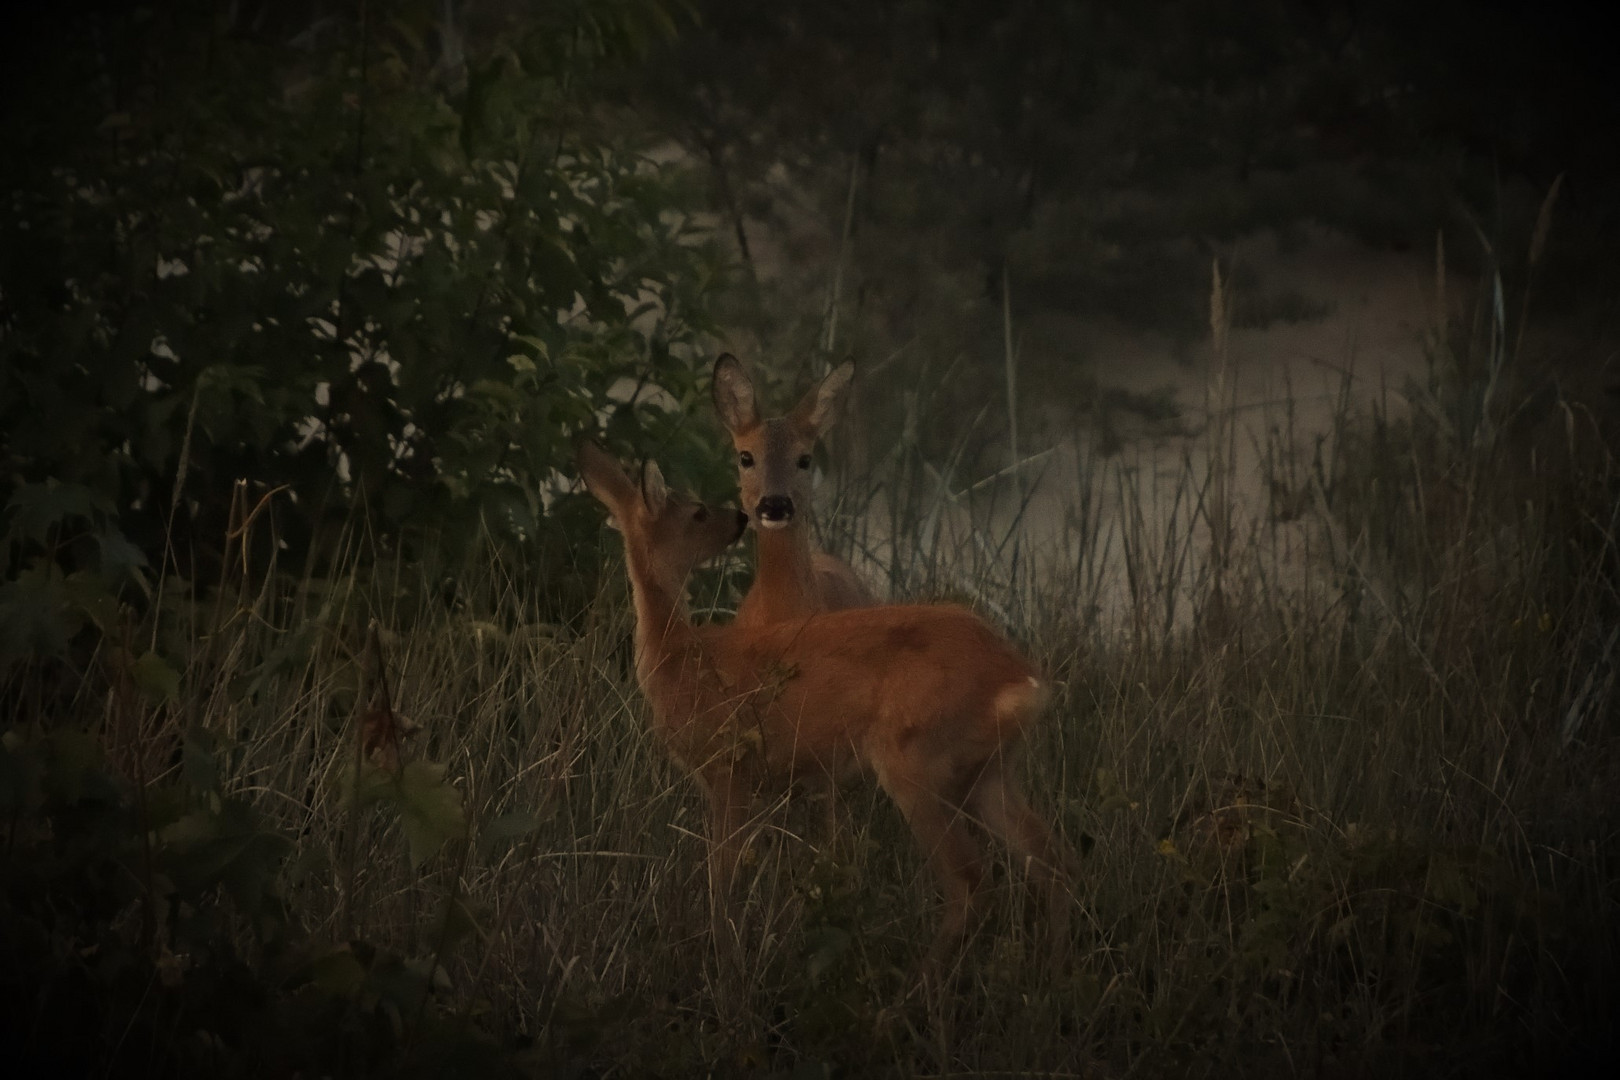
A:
{"x": 653, "y": 491}
{"x": 817, "y": 410}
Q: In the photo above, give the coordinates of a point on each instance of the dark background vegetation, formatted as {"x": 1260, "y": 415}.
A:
{"x": 304, "y": 302}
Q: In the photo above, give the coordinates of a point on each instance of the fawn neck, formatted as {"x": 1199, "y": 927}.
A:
{"x": 663, "y": 621}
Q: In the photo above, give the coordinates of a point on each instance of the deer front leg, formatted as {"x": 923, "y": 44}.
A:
{"x": 728, "y": 813}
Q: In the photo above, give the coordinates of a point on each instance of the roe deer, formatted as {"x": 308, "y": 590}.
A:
{"x": 927, "y": 698}
{"x": 792, "y": 577}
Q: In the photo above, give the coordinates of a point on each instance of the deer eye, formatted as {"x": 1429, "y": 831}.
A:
{"x": 804, "y": 461}
{"x": 701, "y": 514}
{"x": 745, "y": 459}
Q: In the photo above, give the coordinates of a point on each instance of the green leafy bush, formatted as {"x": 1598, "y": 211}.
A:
{"x": 339, "y": 269}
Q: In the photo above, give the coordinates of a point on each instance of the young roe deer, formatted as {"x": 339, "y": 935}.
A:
{"x": 792, "y": 577}
{"x": 929, "y": 699}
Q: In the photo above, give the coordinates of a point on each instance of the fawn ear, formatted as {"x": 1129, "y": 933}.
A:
{"x": 653, "y": 491}
{"x": 603, "y": 476}
{"x": 817, "y": 410}
{"x": 734, "y": 395}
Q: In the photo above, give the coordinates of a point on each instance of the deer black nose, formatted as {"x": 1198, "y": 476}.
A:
{"x": 776, "y": 508}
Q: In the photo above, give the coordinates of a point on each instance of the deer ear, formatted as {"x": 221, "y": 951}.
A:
{"x": 603, "y": 476}
{"x": 734, "y": 395}
{"x": 653, "y": 491}
{"x": 817, "y": 410}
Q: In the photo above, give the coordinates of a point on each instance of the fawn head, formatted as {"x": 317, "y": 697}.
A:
{"x": 669, "y": 533}
{"x": 773, "y": 456}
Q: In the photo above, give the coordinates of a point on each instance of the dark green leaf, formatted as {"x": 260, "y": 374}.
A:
{"x": 430, "y": 809}
{"x": 507, "y": 828}
{"x": 35, "y": 510}
{"x": 156, "y": 678}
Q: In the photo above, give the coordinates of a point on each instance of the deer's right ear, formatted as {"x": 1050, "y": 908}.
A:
{"x": 653, "y": 491}
{"x": 734, "y": 395}
{"x": 603, "y": 477}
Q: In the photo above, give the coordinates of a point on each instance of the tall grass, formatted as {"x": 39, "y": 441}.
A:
{"x": 1340, "y": 761}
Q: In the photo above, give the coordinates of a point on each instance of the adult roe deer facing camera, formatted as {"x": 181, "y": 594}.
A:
{"x": 792, "y": 577}
{"x": 928, "y": 699}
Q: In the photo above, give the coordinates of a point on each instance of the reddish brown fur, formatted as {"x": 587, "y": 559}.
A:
{"x": 928, "y": 699}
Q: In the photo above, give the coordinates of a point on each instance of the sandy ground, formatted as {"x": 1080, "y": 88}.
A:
{"x": 1139, "y": 507}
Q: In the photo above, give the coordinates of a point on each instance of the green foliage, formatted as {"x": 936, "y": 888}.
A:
{"x": 335, "y": 268}
{"x": 66, "y": 561}
{"x": 430, "y": 810}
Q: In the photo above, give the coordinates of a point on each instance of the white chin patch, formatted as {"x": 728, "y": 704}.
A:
{"x": 767, "y": 524}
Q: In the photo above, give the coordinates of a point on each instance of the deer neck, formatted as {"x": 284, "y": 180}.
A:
{"x": 663, "y": 621}
{"x": 784, "y": 576}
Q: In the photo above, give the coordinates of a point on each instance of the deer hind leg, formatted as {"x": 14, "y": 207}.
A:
{"x": 934, "y": 812}
{"x": 998, "y": 803}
